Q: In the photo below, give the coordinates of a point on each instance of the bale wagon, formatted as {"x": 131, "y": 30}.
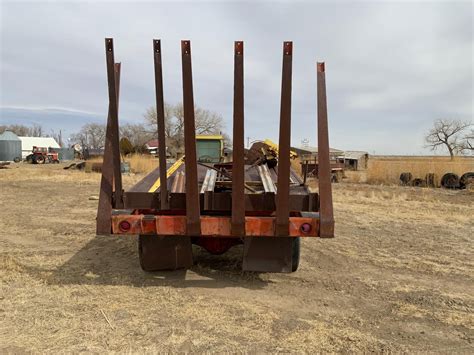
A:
{"x": 211, "y": 203}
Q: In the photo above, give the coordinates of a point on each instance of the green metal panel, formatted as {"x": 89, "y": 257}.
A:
{"x": 209, "y": 150}
{"x": 65, "y": 153}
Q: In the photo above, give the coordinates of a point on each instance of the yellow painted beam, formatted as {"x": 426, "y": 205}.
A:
{"x": 169, "y": 172}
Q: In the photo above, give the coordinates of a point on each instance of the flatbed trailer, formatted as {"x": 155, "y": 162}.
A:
{"x": 216, "y": 205}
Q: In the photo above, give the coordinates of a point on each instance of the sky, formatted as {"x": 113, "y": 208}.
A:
{"x": 392, "y": 68}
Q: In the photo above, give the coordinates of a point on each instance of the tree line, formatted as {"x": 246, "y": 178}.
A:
{"x": 92, "y": 135}
{"x": 455, "y": 136}
{"x": 35, "y": 130}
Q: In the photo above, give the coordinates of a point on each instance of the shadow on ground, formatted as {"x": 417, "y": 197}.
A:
{"x": 108, "y": 260}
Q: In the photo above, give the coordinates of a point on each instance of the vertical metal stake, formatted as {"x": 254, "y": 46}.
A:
{"x": 324, "y": 169}
{"x": 160, "y": 115}
{"x": 118, "y": 192}
{"x": 238, "y": 164}
{"x": 104, "y": 211}
{"x": 283, "y": 191}
{"x": 193, "y": 221}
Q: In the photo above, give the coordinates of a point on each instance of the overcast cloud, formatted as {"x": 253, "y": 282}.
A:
{"x": 392, "y": 68}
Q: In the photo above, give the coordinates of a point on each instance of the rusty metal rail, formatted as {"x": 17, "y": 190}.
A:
{"x": 111, "y": 177}
{"x": 193, "y": 222}
{"x": 238, "y": 164}
{"x": 324, "y": 169}
{"x": 160, "y": 120}
{"x": 283, "y": 184}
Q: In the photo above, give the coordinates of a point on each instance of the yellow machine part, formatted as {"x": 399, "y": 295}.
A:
{"x": 169, "y": 172}
{"x": 274, "y": 146}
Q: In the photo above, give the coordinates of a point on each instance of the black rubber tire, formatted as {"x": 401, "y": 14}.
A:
{"x": 450, "y": 181}
{"x": 56, "y": 161}
{"x": 17, "y": 159}
{"x": 418, "y": 182}
{"x": 405, "y": 178}
{"x": 164, "y": 253}
{"x": 466, "y": 178}
{"x": 430, "y": 180}
{"x": 39, "y": 159}
{"x": 295, "y": 255}
{"x": 146, "y": 252}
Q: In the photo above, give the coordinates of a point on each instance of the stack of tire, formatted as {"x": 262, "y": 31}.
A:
{"x": 453, "y": 181}
{"x": 448, "y": 181}
{"x": 406, "y": 179}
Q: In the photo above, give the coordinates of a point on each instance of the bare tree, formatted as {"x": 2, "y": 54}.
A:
{"x": 34, "y": 130}
{"x": 151, "y": 118}
{"x": 137, "y": 134}
{"x": 467, "y": 145}
{"x": 207, "y": 122}
{"x": 91, "y": 135}
{"x": 448, "y": 134}
{"x": 58, "y": 137}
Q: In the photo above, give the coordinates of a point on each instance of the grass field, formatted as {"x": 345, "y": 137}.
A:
{"x": 387, "y": 170}
{"x": 398, "y": 277}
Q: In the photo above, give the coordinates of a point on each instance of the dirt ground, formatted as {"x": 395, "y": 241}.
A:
{"x": 398, "y": 277}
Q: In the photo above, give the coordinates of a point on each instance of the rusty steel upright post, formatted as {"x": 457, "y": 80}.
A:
{"x": 193, "y": 221}
{"x": 283, "y": 184}
{"x": 104, "y": 211}
{"x": 238, "y": 173}
{"x": 324, "y": 168}
{"x": 118, "y": 192}
{"x": 160, "y": 118}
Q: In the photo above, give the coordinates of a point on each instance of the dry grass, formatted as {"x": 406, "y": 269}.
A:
{"x": 355, "y": 176}
{"x": 387, "y": 170}
{"x": 139, "y": 163}
{"x": 53, "y": 174}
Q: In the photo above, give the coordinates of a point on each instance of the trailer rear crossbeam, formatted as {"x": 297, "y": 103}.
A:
{"x": 211, "y": 226}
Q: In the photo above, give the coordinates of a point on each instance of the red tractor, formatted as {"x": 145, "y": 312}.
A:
{"x": 41, "y": 155}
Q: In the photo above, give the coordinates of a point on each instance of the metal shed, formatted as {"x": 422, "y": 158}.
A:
{"x": 10, "y": 146}
{"x": 356, "y": 160}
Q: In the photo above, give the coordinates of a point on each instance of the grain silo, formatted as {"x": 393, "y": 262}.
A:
{"x": 10, "y": 147}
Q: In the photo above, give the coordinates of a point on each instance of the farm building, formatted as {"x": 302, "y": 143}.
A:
{"x": 10, "y": 146}
{"x": 152, "y": 146}
{"x": 309, "y": 159}
{"x": 349, "y": 159}
{"x": 27, "y": 144}
{"x": 355, "y": 160}
{"x": 311, "y": 153}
